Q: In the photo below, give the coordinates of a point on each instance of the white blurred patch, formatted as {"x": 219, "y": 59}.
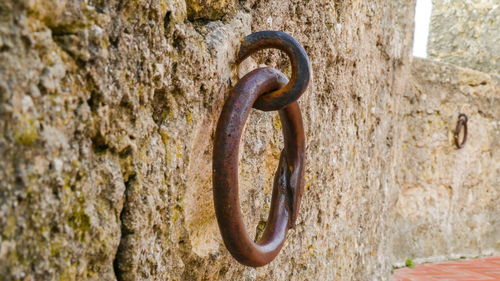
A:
{"x": 422, "y": 21}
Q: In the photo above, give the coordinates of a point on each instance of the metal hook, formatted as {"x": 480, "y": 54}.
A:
{"x": 301, "y": 71}
{"x": 461, "y": 123}
{"x": 288, "y": 180}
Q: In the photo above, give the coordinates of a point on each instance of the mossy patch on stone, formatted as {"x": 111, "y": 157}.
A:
{"x": 209, "y": 9}
{"x": 10, "y": 228}
{"x": 79, "y": 221}
{"x": 26, "y": 133}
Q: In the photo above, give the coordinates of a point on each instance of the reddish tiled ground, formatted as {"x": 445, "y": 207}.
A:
{"x": 464, "y": 270}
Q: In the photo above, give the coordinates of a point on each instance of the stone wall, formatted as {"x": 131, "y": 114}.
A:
{"x": 107, "y": 113}
{"x": 448, "y": 206}
{"x": 466, "y": 33}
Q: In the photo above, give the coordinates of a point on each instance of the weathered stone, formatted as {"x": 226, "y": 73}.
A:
{"x": 449, "y": 197}
{"x": 466, "y": 33}
{"x": 210, "y": 9}
{"x": 107, "y": 113}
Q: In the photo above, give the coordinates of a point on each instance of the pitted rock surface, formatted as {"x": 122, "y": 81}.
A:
{"x": 107, "y": 114}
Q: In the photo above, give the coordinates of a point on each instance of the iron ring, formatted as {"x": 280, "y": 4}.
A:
{"x": 461, "y": 123}
{"x": 301, "y": 70}
{"x": 288, "y": 180}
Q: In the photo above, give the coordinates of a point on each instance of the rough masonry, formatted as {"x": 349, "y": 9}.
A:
{"x": 465, "y": 33}
{"x": 447, "y": 207}
{"x": 107, "y": 114}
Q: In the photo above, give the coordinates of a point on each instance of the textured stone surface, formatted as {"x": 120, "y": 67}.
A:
{"x": 107, "y": 111}
{"x": 448, "y": 206}
{"x": 466, "y": 33}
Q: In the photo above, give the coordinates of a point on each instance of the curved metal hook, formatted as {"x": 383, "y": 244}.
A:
{"x": 288, "y": 180}
{"x": 301, "y": 71}
{"x": 462, "y": 122}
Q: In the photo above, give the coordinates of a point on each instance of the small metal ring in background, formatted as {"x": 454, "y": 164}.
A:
{"x": 301, "y": 71}
{"x": 461, "y": 123}
{"x": 288, "y": 180}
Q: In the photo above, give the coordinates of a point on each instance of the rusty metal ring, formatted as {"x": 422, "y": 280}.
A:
{"x": 461, "y": 123}
{"x": 288, "y": 180}
{"x": 301, "y": 71}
